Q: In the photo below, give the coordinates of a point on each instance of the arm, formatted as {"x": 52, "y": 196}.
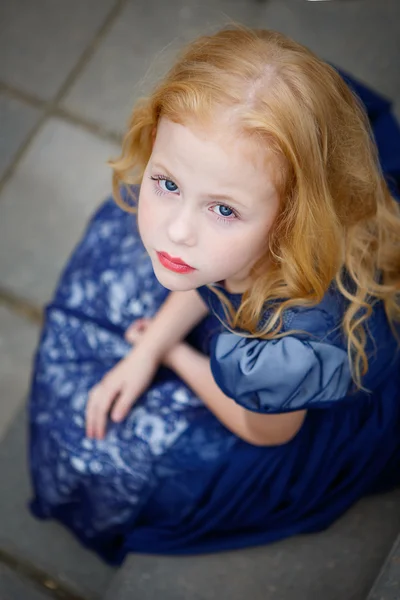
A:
{"x": 179, "y": 314}
{"x": 121, "y": 386}
{"x": 255, "y": 428}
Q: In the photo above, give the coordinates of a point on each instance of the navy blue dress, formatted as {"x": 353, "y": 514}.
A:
{"x": 171, "y": 478}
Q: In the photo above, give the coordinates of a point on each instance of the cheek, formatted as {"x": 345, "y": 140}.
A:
{"x": 228, "y": 257}
{"x": 249, "y": 249}
{"x": 143, "y": 219}
{"x": 146, "y": 215}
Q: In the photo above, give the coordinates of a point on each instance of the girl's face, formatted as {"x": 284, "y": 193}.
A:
{"x": 208, "y": 199}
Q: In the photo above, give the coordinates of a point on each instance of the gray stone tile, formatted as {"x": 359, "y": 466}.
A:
{"x": 18, "y": 339}
{"x": 140, "y": 47}
{"x": 397, "y": 111}
{"x": 44, "y": 207}
{"x": 44, "y": 544}
{"x": 358, "y": 35}
{"x": 41, "y": 41}
{"x": 339, "y": 563}
{"x": 16, "y": 121}
{"x": 361, "y": 36}
{"x": 387, "y": 586}
{"x": 14, "y": 587}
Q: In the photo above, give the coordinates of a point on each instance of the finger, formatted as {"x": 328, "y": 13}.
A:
{"x": 135, "y": 331}
{"x": 102, "y": 409}
{"x": 122, "y": 405}
{"x": 89, "y": 413}
{"x": 100, "y": 400}
{"x": 130, "y": 331}
{"x": 143, "y": 324}
{"x": 133, "y": 336}
{"x": 93, "y": 408}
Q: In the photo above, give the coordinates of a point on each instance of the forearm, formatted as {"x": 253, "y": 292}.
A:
{"x": 258, "y": 429}
{"x": 179, "y": 314}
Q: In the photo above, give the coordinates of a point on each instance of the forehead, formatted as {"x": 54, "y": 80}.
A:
{"x": 214, "y": 149}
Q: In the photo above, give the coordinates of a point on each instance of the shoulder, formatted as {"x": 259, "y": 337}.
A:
{"x": 316, "y": 321}
{"x": 306, "y": 368}
{"x": 319, "y": 322}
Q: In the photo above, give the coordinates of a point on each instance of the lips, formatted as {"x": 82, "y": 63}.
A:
{"x": 176, "y": 261}
{"x": 174, "y": 264}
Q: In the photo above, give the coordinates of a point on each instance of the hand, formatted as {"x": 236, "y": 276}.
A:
{"x": 135, "y": 332}
{"x": 119, "y": 390}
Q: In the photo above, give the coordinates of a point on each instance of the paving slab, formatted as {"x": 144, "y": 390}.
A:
{"x": 16, "y": 121}
{"x": 140, "y": 47}
{"x": 14, "y": 587}
{"x": 339, "y": 563}
{"x": 387, "y": 586}
{"x": 359, "y": 35}
{"x": 41, "y": 41}
{"x": 44, "y": 544}
{"x": 44, "y": 207}
{"x": 18, "y": 338}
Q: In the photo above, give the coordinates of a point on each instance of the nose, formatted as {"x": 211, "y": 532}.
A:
{"x": 182, "y": 227}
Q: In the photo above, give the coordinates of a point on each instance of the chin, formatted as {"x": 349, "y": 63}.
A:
{"x": 174, "y": 282}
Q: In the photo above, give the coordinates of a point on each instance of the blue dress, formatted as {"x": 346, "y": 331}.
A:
{"x": 171, "y": 478}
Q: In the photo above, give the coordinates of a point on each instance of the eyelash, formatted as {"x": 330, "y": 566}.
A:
{"x": 160, "y": 192}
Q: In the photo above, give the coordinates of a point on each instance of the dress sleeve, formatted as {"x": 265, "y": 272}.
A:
{"x": 273, "y": 376}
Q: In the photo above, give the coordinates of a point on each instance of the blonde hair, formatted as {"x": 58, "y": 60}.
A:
{"x": 337, "y": 221}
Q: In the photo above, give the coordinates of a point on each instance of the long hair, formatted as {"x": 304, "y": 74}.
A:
{"x": 337, "y": 221}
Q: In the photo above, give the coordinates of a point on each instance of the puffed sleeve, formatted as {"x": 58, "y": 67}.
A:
{"x": 283, "y": 375}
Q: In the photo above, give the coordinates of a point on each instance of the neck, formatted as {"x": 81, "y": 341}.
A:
{"x": 236, "y": 286}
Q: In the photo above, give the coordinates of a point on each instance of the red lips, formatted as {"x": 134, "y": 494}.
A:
{"x": 174, "y": 264}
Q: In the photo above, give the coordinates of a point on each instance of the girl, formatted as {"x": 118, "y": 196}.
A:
{"x": 224, "y": 370}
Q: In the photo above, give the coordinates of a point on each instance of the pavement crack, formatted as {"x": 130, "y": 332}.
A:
{"x": 39, "y": 578}
{"x": 22, "y": 307}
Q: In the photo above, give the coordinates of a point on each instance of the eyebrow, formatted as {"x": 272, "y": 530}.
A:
{"x": 166, "y": 171}
{"x": 225, "y": 197}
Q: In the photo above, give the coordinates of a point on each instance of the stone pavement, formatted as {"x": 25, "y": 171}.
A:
{"x": 387, "y": 586}
{"x": 70, "y": 71}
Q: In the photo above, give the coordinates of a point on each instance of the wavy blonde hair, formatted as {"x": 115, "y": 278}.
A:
{"x": 337, "y": 221}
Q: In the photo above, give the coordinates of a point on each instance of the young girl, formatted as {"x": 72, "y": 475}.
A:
{"x": 224, "y": 371}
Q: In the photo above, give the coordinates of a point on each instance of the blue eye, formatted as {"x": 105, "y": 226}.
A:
{"x": 164, "y": 185}
{"x": 170, "y": 186}
{"x": 225, "y": 213}
{"x": 225, "y": 210}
